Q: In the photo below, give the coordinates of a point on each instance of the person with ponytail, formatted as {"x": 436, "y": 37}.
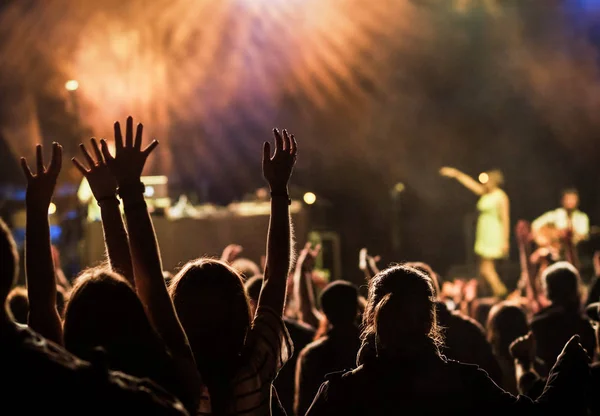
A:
{"x": 400, "y": 367}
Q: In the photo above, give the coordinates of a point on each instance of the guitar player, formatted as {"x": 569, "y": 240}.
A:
{"x": 552, "y": 227}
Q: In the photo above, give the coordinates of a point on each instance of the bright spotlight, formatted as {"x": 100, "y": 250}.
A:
{"x": 52, "y": 208}
{"x": 484, "y": 178}
{"x": 72, "y": 85}
{"x": 310, "y": 198}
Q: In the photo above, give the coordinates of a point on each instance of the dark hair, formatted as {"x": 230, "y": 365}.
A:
{"x": 561, "y": 283}
{"x": 213, "y": 307}
{"x": 400, "y": 317}
{"x": 103, "y": 310}
{"x": 569, "y": 191}
{"x": 506, "y": 322}
{"x": 18, "y": 304}
{"x": 428, "y": 271}
{"x": 339, "y": 301}
{"x": 253, "y": 287}
{"x": 497, "y": 175}
{"x": 9, "y": 261}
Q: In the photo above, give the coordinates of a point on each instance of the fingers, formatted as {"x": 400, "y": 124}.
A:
{"x": 266, "y": 152}
{"x": 39, "y": 159}
{"x": 150, "y": 148}
{"x": 56, "y": 162}
{"x": 286, "y": 141}
{"x": 129, "y": 132}
{"x": 87, "y": 156}
{"x": 278, "y": 141}
{"x": 138, "y": 136}
{"x": 294, "y": 148}
{"x": 26, "y": 169}
{"x": 118, "y": 137}
{"x": 105, "y": 152}
{"x": 97, "y": 151}
{"x": 80, "y": 167}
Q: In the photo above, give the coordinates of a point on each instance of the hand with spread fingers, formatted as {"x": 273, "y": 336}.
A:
{"x": 129, "y": 160}
{"x": 278, "y": 168}
{"x": 99, "y": 176}
{"x": 41, "y": 185}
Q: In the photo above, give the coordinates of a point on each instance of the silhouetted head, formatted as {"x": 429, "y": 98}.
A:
{"x": 428, "y": 271}
{"x": 400, "y": 317}
{"x": 339, "y": 301}
{"x": 506, "y": 322}
{"x": 103, "y": 310}
{"x": 570, "y": 199}
{"x": 253, "y": 288}
{"x": 18, "y": 304}
{"x": 561, "y": 283}
{"x": 495, "y": 179}
{"x": 9, "y": 262}
{"x": 246, "y": 267}
{"x": 213, "y": 307}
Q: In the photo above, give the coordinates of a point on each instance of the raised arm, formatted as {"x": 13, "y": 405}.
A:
{"x": 39, "y": 267}
{"x": 467, "y": 181}
{"x": 528, "y": 272}
{"x": 104, "y": 187}
{"x": 303, "y": 288}
{"x": 127, "y": 166}
{"x": 368, "y": 264}
{"x": 277, "y": 170}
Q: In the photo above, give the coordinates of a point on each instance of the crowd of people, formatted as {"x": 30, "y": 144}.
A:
{"x": 213, "y": 339}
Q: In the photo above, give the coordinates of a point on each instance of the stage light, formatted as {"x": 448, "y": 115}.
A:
{"x": 72, "y": 85}
{"x": 484, "y": 178}
{"x": 399, "y": 187}
{"x": 310, "y": 198}
{"x": 52, "y": 208}
{"x": 149, "y": 192}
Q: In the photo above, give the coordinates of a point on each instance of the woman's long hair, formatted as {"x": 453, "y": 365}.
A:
{"x": 213, "y": 307}
{"x": 104, "y": 311}
{"x": 400, "y": 318}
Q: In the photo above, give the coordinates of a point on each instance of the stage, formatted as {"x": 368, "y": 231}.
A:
{"x": 184, "y": 239}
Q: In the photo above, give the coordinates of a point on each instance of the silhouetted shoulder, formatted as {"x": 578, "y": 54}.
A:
{"x": 39, "y": 374}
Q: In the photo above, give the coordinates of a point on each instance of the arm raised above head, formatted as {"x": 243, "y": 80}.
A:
{"x": 39, "y": 265}
{"x": 104, "y": 188}
{"x": 277, "y": 169}
{"x": 467, "y": 181}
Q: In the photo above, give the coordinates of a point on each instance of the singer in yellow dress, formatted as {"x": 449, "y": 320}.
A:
{"x": 493, "y": 224}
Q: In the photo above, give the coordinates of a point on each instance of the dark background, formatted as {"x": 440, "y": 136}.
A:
{"x": 377, "y": 93}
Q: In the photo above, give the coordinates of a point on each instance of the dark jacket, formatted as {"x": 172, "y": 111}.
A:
{"x": 553, "y": 326}
{"x": 465, "y": 341}
{"x": 433, "y": 385}
{"x": 336, "y": 351}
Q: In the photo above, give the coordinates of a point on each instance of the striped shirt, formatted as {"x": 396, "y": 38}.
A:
{"x": 268, "y": 347}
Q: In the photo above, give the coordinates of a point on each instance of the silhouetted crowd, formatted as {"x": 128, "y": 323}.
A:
{"x": 226, "y": 337}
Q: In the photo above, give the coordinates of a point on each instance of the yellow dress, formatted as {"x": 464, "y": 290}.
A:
{"x": 489, "y": 239}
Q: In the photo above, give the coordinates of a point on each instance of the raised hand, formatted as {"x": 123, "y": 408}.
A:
{"x": 277, "y": 169}
{"x": 40, "y": 187}
{"x": 449, "y": 172}
{"x": 231, "y": 252}
{"x": 308, "y": 256}
{"x": 129, "y": 160}
{"x": 99, "y": 176}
